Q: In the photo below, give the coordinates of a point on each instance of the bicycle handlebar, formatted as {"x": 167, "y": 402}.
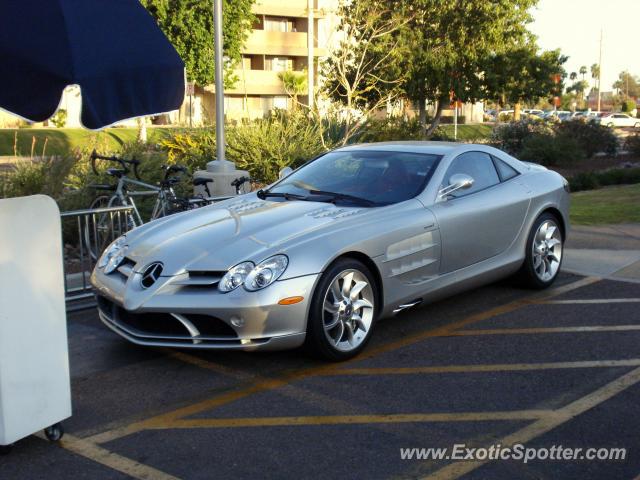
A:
{"x": 240, "y": 181}
{"x": 171, "y": 169}
{"x": 123, "y": 163}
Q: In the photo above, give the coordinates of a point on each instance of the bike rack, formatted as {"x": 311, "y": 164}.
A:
{"x": 77, "y": 252}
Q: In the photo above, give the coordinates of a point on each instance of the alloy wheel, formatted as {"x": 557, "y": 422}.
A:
{"x": 348, "y": 310}
{"x": 547, "y": 250}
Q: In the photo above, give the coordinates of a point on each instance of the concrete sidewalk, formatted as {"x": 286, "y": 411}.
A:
{"x": 611, "y": 251}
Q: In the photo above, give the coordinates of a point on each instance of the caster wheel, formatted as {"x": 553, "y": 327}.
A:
{"x": 5, "y": 449}
{"x": 54, "y": 433}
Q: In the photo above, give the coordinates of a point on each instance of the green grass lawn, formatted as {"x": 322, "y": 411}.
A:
{"x": 63, "y": 141}
{"x": 619, "y": 204}
{"x": 470, "y": 133}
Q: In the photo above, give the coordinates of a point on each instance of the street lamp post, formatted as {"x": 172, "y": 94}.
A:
{"x": 219, "y": 73}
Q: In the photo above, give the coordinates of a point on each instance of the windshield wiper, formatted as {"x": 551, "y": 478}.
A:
{"x": 333, "y": 196}
{"x": 262, "y": 194}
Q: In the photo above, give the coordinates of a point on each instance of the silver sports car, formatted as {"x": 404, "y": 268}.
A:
{"x": 360, "y": 233}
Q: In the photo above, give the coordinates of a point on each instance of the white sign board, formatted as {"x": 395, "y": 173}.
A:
{"x": 35, "y": 390}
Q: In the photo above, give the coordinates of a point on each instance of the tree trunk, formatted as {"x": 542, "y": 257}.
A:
{"x": 436, "y": 119}
{"x": 142, "y": 130}
{"x": 422, "y": 114}
{"x": 516, "y": 112}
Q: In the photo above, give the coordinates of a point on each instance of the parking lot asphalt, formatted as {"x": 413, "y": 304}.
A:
{"x": 497, "y": 365}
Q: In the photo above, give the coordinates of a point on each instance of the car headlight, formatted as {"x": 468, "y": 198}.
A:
{"x": 235, "y": 277}
{"x": 113, "y": 255}
{"x": 266, "y": 272}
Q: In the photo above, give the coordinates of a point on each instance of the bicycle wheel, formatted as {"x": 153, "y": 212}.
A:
{"x": 100, "y": 229}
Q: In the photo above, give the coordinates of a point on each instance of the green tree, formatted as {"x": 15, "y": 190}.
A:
{"x": 522, "y": 75}
{"x": 188, "y": 24}
{"x": 448, "y": 43}
{"x": 628, "y": 84}
{"x": 583, "y": 71}
{"x": 294, "y": 83}
{"x": 363, "y": 73}
{"x": 573, "y": 76}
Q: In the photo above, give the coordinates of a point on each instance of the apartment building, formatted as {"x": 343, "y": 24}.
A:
{"x": 279, "y": 41}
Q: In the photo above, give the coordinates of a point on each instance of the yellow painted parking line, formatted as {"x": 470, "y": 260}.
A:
{"x": 271, "y": 384}
{"x": 545, "y": 424}
{"x": 112, "y": 460}
{"x": 357, "y": 419}
{"x": 507, "y": 367}
{"x": 592, "y": 301}
{"x": 527, "y": 331}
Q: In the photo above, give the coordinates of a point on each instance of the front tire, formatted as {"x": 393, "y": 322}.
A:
{"x": 544, "y": 250}
{"x": 343, "y": 311}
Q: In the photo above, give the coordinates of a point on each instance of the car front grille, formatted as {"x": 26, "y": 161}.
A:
{"x": 161, "y": 328}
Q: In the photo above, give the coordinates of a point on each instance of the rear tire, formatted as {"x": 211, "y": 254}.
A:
{"x": 343, "y": 311}
{"x": 543, "y": 254}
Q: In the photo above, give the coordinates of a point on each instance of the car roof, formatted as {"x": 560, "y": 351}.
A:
{"x": 415, "y": 146}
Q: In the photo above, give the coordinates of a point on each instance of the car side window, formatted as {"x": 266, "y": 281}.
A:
{"x": 505, "y": 171}
{"x": 479, "y": 166}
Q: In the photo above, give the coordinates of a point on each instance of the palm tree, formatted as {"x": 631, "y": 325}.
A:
{"x": 573, "y": 76}
{"x": 583, "y": 71}
{"x": 294, "y": 83}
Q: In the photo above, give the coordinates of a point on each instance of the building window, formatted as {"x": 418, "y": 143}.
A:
{"x": 277, "y": 24}
{"x": 278, "y": 64}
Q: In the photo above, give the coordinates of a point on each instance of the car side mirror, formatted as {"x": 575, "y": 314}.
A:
{"x": 285, "y": 172}
{"x": 459, "y": 181}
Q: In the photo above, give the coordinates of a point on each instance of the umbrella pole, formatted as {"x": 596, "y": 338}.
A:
{"x": 219, "y": 73}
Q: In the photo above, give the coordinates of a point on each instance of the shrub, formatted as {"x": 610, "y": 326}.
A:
{"x": 592, "y": 137}
{"x": 628, "y": 105}
{"x": 584, "y": 181}
{"x": 510, "y": 137}
{"x": 550, "y": 150}
{"x": 31, "y": 177}
{"x": 614, "y": 176}
{"x": 60, "y": 118}
{"x": 264, "y": 147}
{"x": 192, "y": 148}
{"x": 632, "y": 144}
{"x": 389, "y": 129}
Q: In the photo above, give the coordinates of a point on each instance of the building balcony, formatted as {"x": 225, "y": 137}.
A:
{"x": 290, "y": 8}
{"x": 257, "y": 82}
{"x": 262, "y": 42}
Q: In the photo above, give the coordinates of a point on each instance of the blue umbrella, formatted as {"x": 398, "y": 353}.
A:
{"x": 112, "y": 49}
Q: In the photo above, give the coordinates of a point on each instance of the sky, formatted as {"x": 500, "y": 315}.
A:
{"x": 574, "y": 27}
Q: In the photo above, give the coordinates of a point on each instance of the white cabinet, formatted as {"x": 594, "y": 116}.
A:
{"x": 35, "y": 388}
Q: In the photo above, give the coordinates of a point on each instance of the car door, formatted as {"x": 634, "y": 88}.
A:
{"x": 483, "y": 221}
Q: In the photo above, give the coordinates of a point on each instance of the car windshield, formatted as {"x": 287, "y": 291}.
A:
{"x": 365, "y": 177}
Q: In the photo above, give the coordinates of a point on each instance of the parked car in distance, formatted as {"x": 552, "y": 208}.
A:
{"x": 619, "y": 120}
{"x": 578, "y": 116}
{"x": 555, "y": 114}
{"x": 360, "y": 233}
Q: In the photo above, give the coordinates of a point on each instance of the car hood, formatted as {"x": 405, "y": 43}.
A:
{"x": 220, "y": 236}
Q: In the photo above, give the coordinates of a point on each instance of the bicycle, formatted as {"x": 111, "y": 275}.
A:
{"x": 102, "y": 231}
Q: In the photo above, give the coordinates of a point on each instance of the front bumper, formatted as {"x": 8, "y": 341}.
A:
{"x": 170, "y": 315}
